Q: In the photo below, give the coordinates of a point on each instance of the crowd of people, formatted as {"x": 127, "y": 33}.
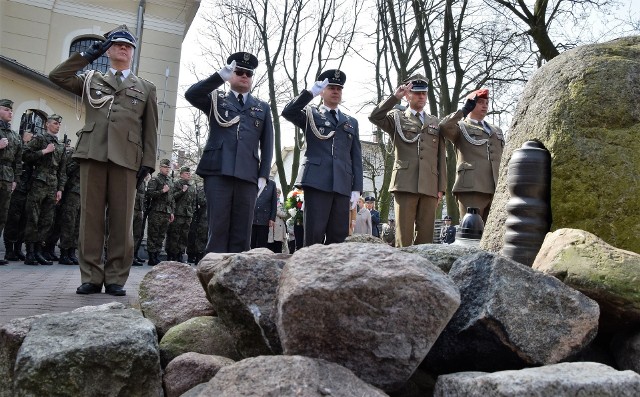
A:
{"x": 103, "y": 192}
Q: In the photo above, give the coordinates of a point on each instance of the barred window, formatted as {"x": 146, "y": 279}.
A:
{"x": 33, "y": 120}
{"x": 79, "y": 45}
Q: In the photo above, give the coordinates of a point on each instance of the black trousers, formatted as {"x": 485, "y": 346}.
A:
{"x": 230, "y": 205}
{"x": 259, "y": 236}
{"x": 326, "y": 217}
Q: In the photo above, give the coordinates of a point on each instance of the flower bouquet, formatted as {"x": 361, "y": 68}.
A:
{"x": 294, "y": 205}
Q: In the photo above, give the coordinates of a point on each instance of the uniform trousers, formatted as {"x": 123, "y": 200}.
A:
{"x": 230, "y": 205}
{"x": 16, "y": 218}
{"x": 70, "y": 221}
{"x": 102, "y": 185}
{"x": 40, "y": 211}
{"x": 5, "y": 200}
{"x": 415, "y": 216}
{"x": 481, "y": 201}
{"x": 259, "y": 236}
{"x": 326, "y": 217}
{"x": 177, "y": 235}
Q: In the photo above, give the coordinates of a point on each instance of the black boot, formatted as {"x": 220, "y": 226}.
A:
{"x": 10, "y": 255}
{"x": 49, "y": 252}
{"x": 17, "y": 249}
{"x": 153, "y": 258}
{"x": 64, "y": 257}
{"x": 72, "y": 256}
{"x": 136, "y": 257}
{"x": 37, "y": 253}
{"x": 30, "y": 258}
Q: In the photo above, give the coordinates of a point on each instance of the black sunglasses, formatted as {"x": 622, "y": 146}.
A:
{"x": 241, "y": 73}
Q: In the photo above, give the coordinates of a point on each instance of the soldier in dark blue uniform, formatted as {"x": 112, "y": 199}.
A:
{"x": 332, "y": 169}
{"x": 237, "y": 157}
{"x": 370, "y": 203}
{"x": 448, "y": 232}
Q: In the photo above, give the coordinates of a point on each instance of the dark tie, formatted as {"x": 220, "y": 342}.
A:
{"x": 419, "y": 116}
{"x": 240, "y": 100}
{"x": 334, "y": 114}
{"x": 119, "y": 77}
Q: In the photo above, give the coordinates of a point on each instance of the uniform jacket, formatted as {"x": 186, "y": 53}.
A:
{"x": 50, "y": 168}
{"x": 266, "y": 205}
{"x": 140, "y": 198}
{"x": 127, "y": 134}
{"x": 330, "y": 165}
{"x": 243, "y": 150}
{"x": 160, "y": 201}
{"x": 73, "y": 175}
{"x": 419, "y": 167}
{"x": 10, "y": 156}
{"x": 375, "y": 222}
{"x": 477, "y": 167}
{"x": 448, "y": 234}
{"x": 185, "y": 201}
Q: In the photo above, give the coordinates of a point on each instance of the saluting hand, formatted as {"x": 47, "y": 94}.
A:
{"x": 402, "y": 90}
{"x": 4, "y": 142}
{"x": 50, "y": 148}
{"x": 318, "y": 86}
{"x": 227, "y": 71}
{"x": 165, "y": 188}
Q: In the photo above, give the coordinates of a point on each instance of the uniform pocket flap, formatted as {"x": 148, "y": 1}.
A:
{"x": 88, "y": 127}
{"x": 135, "y": 138}
{"x": 465, "y": 166}
{"x": 401, "y": 165}
{"x": 135, "y": 94}
{"x": 314, "y": 160}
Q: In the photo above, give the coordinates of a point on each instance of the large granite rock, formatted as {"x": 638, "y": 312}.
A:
{"x": 369, "y": 307}
{"x": 441, "y": 255}
{"x": 204, "y": 335}
{"x": 565, "y": 379}
{"x": 363, "y": 238}
{"x": 89, "y": 353}
{"x": 170, "y": 294}
{"x": 511, "y": 316}
{"x": 589, "y": 142}
{"x": 242, "y": 289}
{"x": 189, "y": 370}
{"x": 284, "y": 376}
{"x": 606, "y": 274}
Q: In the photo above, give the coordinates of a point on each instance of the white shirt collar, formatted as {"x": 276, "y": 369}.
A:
{"x": 245, "y": 95}
{"x": 125, "y": 73}
{"x": 326, "y": 109}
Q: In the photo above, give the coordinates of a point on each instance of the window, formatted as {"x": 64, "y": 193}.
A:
{"x": 33, "y": 120}
{"x": 101, "y": 64}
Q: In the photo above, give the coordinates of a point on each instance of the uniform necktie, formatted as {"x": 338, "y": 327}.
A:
{"x": 420, "y": 117}
{"x": 119, "y": 77}
{"x": 334, "y": 114}
{"x": 240, "y": 100}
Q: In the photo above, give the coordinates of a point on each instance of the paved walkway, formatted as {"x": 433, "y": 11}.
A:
{"x": 30, "y": 290}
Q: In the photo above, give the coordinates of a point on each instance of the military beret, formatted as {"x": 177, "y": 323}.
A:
{"x": 165, "y": 162}
{"x": 447, "y": 218}
{"x": 55, "y": 117}
{"x": 7, "y": 103}
{"x": 121, "y": 34}
{"x": 369, "y": 199}
{"x": 419, "y": 83}
{"x": 185, "y": 168}
{"x": 481, "y": 93}
{"x": 335, "y": 77}
{"x": 244, "y": 60}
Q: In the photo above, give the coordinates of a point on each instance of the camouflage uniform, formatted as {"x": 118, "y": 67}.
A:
{"x": 179, "y": 228}
{"x": 138, "y": 220}
{"x": 10, "y": 166}
{"x": 17, "y": 218}
{"x": 49, "y": 177}
{"x": 161, "y": 207}
{"x": 70, "y": 213}
{"x": 199, "y": 230}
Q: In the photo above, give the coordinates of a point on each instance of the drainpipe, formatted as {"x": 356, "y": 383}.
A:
{"x": 139, "y": 23}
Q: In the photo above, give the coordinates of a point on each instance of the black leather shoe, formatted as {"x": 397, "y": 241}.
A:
{"x": 3, "y": 262}
{"x": 88, "y": 288}
{"x": 136, "y": 263}
{"x": 114, "y": 289}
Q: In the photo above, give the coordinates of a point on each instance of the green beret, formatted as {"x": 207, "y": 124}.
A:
{"x": 185, "y": 168}
{"x": 165, "y": 162}
{"x": 55, "y": 117}
{"x": 7, "y": 103}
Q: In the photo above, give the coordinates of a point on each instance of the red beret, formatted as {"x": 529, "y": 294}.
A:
{"x": 481, "y": 93}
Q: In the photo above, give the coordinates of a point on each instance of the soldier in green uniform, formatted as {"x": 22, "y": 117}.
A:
{"x": 48, "y": 158}
{"x": 184, "y": 196}
{"x": 160, "y": 212}
{"x": 70, "y": 213}
{"x": 138, "y": 220}
{"x": 10, "y": 161}
{"x": 16, "y": 218}
{"x": 199, "y": 230}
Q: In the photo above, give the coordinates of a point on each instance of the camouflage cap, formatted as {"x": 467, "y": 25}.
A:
{"x": 165, "y": 163}
{"x": 55, "y": 117}
{"x": 185, "y": 168}
{"x": 7, "y": 103}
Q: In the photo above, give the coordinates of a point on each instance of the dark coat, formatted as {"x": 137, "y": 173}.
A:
{"x": 266, "y": 205}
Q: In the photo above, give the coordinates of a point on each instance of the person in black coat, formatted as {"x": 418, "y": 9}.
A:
{"x": 332, "y": 170}
{"x": 264, "y": 215}
{"x": 236, "y": 160}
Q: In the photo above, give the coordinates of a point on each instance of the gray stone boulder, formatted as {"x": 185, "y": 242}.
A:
{"x": 625, "y": 347}
{"x": 369, "y": 307}
{"x": 284, "y": 376}
{"x": 588, "y": 144}
{"x": 606, "y": 274}
{"x": 565, "y": 379}
{"x": 242, "y": 289}
{"x": 204, "y": 335}
{"x": 189, "y": 370}
{"x": 441, "y": 255}
{"x": 170, "y": 294}
{"x": 89, "y": 353}
{"x": 511, "y": 316}
{"x": 363, "y": 238}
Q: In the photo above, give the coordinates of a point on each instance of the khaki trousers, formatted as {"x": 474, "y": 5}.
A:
{"x": 415, "y": 215}
{"x": 102, "y": 185}
{"x": 481, "y": 201}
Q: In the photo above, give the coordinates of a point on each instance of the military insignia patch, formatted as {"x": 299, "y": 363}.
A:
{"x": 134, "y": 102}
{"x": 327, "y": 123}
{"x": 98, "y": 92}
{"x": 246, "y": 56}
{"x": 336, "y": 74}
{"x": 256, "y": 123}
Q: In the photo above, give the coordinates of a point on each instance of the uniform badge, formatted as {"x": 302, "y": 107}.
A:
{"x": 256, "y": 123}
{"x": 226, "y": 114}
{"x": 321, "y": 130}
{"x": 336, "y": 74}
{"x": 253, "y": 114}
{"x": 98, "y": 92}
{"x": 246, "y": 56}
{"x": 134, "y": 102}
{"x": 328, "y": 124}
{"x": 347, "y": 125}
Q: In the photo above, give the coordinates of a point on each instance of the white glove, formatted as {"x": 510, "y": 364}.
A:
{"x": 354, "y": 199}
{"x": 318, "y": 86}
{"x": 227, "y": 71}
{"x": 292, "y": 211}
{"x": 262, "y": 182}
